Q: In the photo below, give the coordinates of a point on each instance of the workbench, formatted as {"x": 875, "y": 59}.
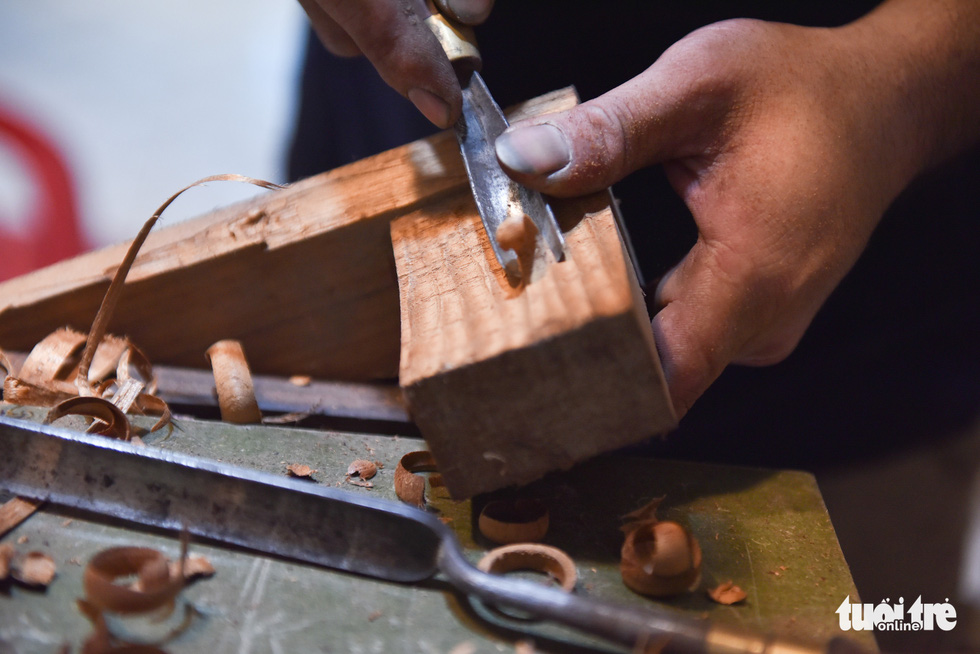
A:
{"x": 768, "y": 531}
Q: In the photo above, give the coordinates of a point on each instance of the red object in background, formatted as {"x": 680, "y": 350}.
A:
{"x": 51, "y": 227}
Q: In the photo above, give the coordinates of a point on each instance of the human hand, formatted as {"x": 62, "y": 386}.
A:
{"x": 391, "y": 34}
{"x": 786, "y": 143}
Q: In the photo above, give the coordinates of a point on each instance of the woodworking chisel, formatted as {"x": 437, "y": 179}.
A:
{"x": 323, "y": 526}
{"x": 497, "y": 196}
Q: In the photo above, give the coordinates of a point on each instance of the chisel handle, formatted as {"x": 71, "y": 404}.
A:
{"x": 458, "y": 41}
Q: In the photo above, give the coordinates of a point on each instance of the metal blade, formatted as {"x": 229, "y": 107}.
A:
{"x": 212, "y": 500}
{"x": 496, "y": 194}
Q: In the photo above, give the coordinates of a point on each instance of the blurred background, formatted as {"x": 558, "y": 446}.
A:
{"x": 109, "y": 106}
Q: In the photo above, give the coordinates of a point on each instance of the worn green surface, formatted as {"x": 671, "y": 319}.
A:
{"x": 768, "y": 531}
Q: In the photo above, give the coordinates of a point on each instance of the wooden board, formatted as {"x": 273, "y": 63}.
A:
{"x": 304, "y": 277}
{"x": 766, "y": 530}
{"x": 507, "y": 383}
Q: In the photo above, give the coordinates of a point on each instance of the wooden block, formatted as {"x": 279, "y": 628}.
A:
{"x": 303, "y": 277}
{"x": 507, "y": 383}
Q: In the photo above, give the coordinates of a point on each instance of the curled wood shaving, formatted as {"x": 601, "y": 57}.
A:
{"x": 110, "y": 420}
{"x": 532, "y": 556}
{"x": 155, "y": 587}
{"x": 53, "y": 359}
{"x": 18, "y": 391}
{"x": 409, "y": 486}
{"x": 660, "y": 559}
{"x": 33, "y": 568}
{"x": 727, "y": 593}
{"x": 101, "y": 322}
{"x": 233, "y": 381}
{"x": 105, "y": 361}
{"x": 514, "y": 521}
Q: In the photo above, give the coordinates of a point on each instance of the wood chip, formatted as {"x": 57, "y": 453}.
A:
{"x": 300, "y": 470}
{"x": 15, "y": 510}
{"x": 362, "y": 468}
{"x": 195, "y": 567}
{"x": 34, "y": 569}
{"x": 727, "y": 593}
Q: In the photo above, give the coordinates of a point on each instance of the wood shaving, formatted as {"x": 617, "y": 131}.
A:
{"x": 358, "y": 482}
{"x": 409, "y": 486}
{"x": 15, "y": 510}
{"x": 658, "y": 558}
{"x": 514, "y": 521}
{"x": 108, "y": 419}
{"x": 34, "y": 569}
{"x": 727, "y": 593}
{"x": 158, "y": 580}
{"x": 531, "y": 556}
{"x": 362, "y": 468}
{"x": 300, "y": 470}
{"x": 6, "y": 555}
{"x": 233, "y": 382}
{"x": 195, "y": 567}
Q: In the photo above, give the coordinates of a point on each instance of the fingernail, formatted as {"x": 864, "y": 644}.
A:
{"x": 431, "y": 105}
{"x": 535, "y": 150}
{"x": 471, "y": 12}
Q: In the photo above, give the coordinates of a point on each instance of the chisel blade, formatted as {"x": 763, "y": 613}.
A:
{"x": 497, "y": 195}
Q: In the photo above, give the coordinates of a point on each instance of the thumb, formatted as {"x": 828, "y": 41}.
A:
{"x": 597, "y": 143}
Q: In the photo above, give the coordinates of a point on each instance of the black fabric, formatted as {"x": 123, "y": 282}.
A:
{"x": 893, "y": 355}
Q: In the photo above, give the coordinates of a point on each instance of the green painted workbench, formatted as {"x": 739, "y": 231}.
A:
{"x": 768, "y": 531}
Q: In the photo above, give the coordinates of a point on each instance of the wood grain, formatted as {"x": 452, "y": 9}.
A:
{"x": 303, "y": 277}
{"x": 509, "y": 383}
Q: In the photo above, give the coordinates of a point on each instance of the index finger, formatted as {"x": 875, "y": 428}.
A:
{"x": 393, "y": 36}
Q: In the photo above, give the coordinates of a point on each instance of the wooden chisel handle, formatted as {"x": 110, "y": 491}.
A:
{"x": 458, "y": 41}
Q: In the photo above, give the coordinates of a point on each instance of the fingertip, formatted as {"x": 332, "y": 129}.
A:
{"x": 469, "y": 12}
{"x": 437, "y": 110}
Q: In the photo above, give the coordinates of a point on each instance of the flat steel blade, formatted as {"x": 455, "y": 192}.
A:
{"x": 249, "y": 508}
{"x": 496, "y": 194}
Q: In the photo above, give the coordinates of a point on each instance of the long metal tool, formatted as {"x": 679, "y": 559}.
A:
{"x": 318, "y": 525}
{"x": 497, "y": 196}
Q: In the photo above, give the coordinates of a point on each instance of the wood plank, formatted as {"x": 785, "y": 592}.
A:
{"x": 303, "y": 277}
{"x": 507, "y": 383}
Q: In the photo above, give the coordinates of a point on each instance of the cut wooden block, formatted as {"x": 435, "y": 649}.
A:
{"x": 508, "y": 383}
{"x": 303, "y": 277}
